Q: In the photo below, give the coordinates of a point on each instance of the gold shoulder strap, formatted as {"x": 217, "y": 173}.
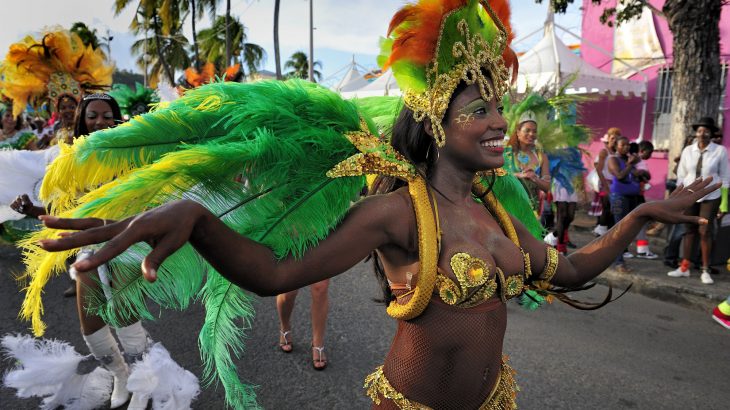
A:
{"x": 428, "y": 254}
{"x": 496, "y": 209}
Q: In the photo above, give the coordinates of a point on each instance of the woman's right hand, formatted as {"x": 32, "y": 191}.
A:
{"x": 23, "y": 205}
{"x": 166, "y": 229}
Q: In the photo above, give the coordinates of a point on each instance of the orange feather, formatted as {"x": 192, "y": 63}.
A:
{"x": 416, "y": 42}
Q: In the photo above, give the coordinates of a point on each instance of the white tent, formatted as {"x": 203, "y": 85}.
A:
{"x": 550, "y": 64}
{"x": 352, "y": 80}
{"x": 384, "y": 85}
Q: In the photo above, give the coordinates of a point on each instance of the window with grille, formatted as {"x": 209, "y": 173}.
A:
{"x": 663, "y": 105}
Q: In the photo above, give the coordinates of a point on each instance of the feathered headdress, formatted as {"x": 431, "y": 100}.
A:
{"x": 207, "y": 74}
{"x": 134, "y": 102}
{"x": 59, "y": 64}
{"x": 557, "y": 132}
{"x": 433, "y": 45}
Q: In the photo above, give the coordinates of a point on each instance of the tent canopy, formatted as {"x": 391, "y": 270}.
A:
{"x": 352, "y": 80}
{"x": 383, "y": 85}
{"x": 551, "y": 64}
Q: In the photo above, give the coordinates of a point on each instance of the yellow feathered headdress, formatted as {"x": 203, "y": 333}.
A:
{"x": 59, "y": 64}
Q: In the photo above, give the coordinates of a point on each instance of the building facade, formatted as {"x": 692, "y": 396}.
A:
{"x": 601, "y": 42}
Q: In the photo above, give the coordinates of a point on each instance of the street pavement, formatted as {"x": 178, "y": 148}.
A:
{"x": 637, "y": 352}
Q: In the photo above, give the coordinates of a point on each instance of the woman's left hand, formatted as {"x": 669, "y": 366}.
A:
{"x": 672, "y": 210}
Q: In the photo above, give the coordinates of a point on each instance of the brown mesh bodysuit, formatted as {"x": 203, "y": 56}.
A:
{"x": 448, "y": 357}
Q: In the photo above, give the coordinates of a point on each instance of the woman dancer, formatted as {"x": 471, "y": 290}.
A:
{"x": 12, "y": 133}
{"x": 528, "y": 162}
{"x": 450, "y": 252}
{"x": 98, "y": 112}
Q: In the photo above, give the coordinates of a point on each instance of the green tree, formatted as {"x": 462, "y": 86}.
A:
{"x": 696, "y": 69}
{"x": 197, "y": 9}
{"x": 299, "y": 65}
{"x": 164, "y": 18}
{"x": 88, "y": 36}
{"x": 127, "y": 77}
{"x": 213, "y": 45}
{"x": 173, "y": 55}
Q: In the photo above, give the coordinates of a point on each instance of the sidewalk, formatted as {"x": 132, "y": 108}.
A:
{"x": 649, "y": 277}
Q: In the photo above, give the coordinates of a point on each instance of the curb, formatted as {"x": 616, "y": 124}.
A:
{"x": 659, "y": 289}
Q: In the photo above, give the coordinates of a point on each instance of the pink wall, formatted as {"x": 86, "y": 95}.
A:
{"x": 623, "y": 112}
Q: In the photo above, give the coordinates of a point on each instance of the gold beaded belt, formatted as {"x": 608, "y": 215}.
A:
{"x": 502, "y": 397}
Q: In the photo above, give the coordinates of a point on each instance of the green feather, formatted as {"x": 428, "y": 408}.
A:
{"x": 221, "y": 339}
{"x": 513, "y": 197}
{"x": 285, "y": 201}
{"x": 382, "y": 110}
{"x": 128, "y": 98}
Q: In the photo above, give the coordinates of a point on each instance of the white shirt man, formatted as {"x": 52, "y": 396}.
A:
{"x": 714, "y": 164}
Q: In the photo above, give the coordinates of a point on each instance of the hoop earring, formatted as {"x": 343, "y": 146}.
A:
{"x": 428, "y": 152}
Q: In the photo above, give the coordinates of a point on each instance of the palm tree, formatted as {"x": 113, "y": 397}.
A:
{"x": 197, "y": 9}
{"x": 164, "y": 18}
{"x": 87, "y": 35}
{"x": 277, "y": 54}
{"x": 299, "y": 64}
{"x": 165, "y": 55}
{"x": 213, "y": 45}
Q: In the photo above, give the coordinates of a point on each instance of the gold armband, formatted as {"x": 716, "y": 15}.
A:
{"x": 551, "y": 266}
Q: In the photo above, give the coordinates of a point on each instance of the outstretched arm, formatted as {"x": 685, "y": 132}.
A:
{"x": 589, "y": 261}
{"x": 371, "y": 223}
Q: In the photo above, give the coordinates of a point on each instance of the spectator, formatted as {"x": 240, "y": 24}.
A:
{"x": 676, "y": 231}
{"x": 645, "y": 149}
{"x": 625, "y": 188}
{"x": 605, "y": 220}
{"x": 703, "y": 159}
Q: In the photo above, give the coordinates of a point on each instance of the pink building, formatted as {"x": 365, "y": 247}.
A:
{"x": 625, "y": 113}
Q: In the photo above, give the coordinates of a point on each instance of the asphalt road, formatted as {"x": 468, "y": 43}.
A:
{"x": 635, "y": 353}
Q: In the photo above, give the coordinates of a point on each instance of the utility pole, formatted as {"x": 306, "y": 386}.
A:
{"x": 311, "y": 41}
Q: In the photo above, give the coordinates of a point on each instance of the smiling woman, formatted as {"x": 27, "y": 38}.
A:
{"x": 452, "y": 234}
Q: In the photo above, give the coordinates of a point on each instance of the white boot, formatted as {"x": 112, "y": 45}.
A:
{"x": 135, "y": 343}
{"x": 103, "y": 346}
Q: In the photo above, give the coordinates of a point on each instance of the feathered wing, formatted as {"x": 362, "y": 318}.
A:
{"x": 201, "y": 115}
{"x": 263, "y": 172}
{"x": 513, "y": 197}
{"x": 383, "y": 110}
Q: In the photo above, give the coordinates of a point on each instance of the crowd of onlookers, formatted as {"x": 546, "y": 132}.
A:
{"x": 624, "y": 176}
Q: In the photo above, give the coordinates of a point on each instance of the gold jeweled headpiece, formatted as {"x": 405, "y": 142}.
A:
{"x": 433, "y": 45}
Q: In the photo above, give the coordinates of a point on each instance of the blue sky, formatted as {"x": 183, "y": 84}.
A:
{"x": 343, "y": 28}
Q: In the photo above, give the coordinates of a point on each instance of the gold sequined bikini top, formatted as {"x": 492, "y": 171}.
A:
{"x": 475, "y": 283}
